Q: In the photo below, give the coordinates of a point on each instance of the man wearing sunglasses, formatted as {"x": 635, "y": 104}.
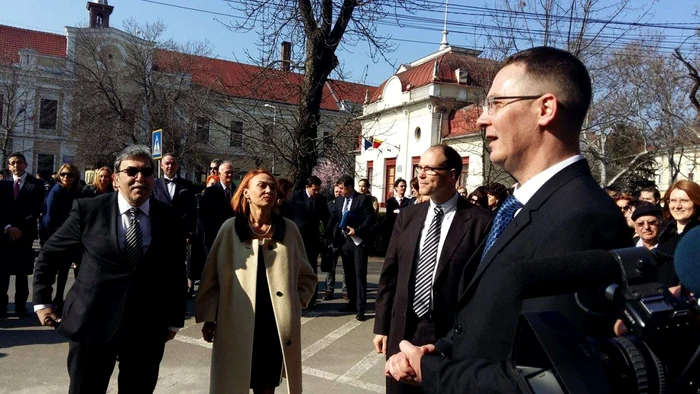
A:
{"x": 531, "y": 118}
{"x": 129, "y": 297}
{"x": 21, "y": 201}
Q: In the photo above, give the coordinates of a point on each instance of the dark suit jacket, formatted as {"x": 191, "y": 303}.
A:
{"x": 568, "y": 213}
{"x": 23, "y": 214}
{"x": 214, "y": 210}
{"x": 396, "y": 282}
{"x": 363, "y": 221}
{"x": 392, "y": 204}
{"x": 183, "y": 201}
{"x": 306, "y": 219}
{"x": 109, "y": 294}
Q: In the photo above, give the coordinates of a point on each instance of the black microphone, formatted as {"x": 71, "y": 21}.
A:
{"x": 582, "y": 271}
{"x": 686, "y": 260}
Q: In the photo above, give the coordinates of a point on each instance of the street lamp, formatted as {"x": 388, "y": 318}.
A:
{"x": 274, "y": 124}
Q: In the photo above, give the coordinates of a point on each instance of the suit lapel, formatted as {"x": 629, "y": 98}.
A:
{"x": 110, "y": 214}
{"x": 415, "y": 225}
{"x": 455, "y": 234}
{"x": 355, "y": 201}
{"x": 524, "y": 217}
{"x": 156, "y": 229}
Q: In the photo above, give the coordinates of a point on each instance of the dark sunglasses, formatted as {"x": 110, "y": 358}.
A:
{"x": 132, "y": 171}
{"x": 67, "y": 175}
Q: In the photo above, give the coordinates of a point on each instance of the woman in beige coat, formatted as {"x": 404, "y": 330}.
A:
{"x": 255, "y": 283}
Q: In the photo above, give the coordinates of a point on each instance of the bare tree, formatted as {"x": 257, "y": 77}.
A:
{"x": 126, "y": 87}
{"x": 16, "y": 97}
{"x": 319, "y": 27}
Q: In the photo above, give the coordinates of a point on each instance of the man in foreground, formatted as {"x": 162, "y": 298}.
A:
{"x": 532, "y": 118}
{"x": 129, "y": 297}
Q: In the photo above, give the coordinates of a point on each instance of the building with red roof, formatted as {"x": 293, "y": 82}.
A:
{"x": 39, "y": 113}
{"x": 435, "y": 99}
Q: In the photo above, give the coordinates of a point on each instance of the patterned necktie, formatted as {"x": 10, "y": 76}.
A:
{"x": 504, "y": 216}
{"x": 133, "y": 245}
{"x": 426, "y": 265}
{"x": 17, "y": 188}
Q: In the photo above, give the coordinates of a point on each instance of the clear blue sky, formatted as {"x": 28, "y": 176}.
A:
{"x": 412, "y": 42}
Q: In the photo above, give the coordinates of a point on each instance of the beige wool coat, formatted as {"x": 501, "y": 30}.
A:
{"x": 227, "y": 296}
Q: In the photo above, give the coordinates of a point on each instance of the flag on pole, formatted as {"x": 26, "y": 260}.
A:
{"x": 376, "y": 143}
{"x": 367, "y": 143}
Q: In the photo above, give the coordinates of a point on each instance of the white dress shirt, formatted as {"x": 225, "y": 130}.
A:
{"x": 170, "y": 185}
{"x": 125, "y": 217}
{"x": 525, "y": 192}
{"x": 449, "y": 208}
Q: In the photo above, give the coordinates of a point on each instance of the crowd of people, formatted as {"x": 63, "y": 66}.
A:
{"x": 446, "y": 307}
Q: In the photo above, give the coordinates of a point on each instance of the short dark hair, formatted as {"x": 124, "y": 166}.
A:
{"x": 169, "y": 154}
{"x": 365, "y": 180}
{"x": 398, "y": 181}
{"x": 346, "y": 180}
{"x": 453, "y": 159}
{"x": 18, "y": 155}
{"x": 651, "y": 189}
{"x": 497, "y": 190}
{"x": 284, "y": 186}
{"x": 566, "y": 72}
{"x": 313, "y": 180}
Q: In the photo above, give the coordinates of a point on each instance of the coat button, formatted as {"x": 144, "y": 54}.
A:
{"x": 289, "y": 343}
{"x": 279, "y": 294}
{"x": 458, "y": 329}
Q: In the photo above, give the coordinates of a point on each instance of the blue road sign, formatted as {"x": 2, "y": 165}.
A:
{"x": 157, "y": 144}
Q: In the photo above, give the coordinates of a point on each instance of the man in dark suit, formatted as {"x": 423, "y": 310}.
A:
{"x": 394, "y": 205}
{"x": 215, "y": 204}
{"x": 179, "y": 193}
{"x": 349, "y": 230}
{"x": 21, "y": 201}
{"x": 129, "y": 296}
{"x": 430, "y": 246}
{"x": 309, "y": 208}
{"x": 532, "y": 118}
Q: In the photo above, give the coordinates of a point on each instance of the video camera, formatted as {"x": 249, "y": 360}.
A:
{"x": 661, "y": 353}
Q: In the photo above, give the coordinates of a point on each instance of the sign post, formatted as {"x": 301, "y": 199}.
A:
{"x": 157, "y": 146}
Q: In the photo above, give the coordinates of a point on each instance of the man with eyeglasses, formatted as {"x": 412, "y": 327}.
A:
{"x": 531, "y": 120}
{"x": 129, "y": 298}
{"x": 647, "y": 219}
{"x": 429, "y": 248}
{"x": 21, "y": 201}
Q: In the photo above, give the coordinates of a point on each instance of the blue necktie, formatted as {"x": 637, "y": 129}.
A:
{"x": 504, "y": 216}
{"x": 346, "y": 205}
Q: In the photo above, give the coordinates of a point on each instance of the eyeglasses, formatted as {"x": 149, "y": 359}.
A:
{"x": 66, "y": 175}
{"x": 650, "y": 223}
{"x": 490, "y": 102}
{"x": 132, "y": 171}
{"x": 430, "y": 170}
{"x": 213, "y": 169}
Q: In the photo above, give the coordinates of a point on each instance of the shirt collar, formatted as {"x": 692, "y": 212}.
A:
{"x": 124, "y": 205}
{"x": 170, "y": 179}
{"x": 448, "y": 206}
{"x": 307, "y": 193}
{"x": 22, "y": 178}
{"x": 224, "y": 186}
{"x": 525, "y": 192}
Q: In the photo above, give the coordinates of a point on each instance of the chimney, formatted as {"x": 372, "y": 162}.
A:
{"x": 286, "y": 56}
